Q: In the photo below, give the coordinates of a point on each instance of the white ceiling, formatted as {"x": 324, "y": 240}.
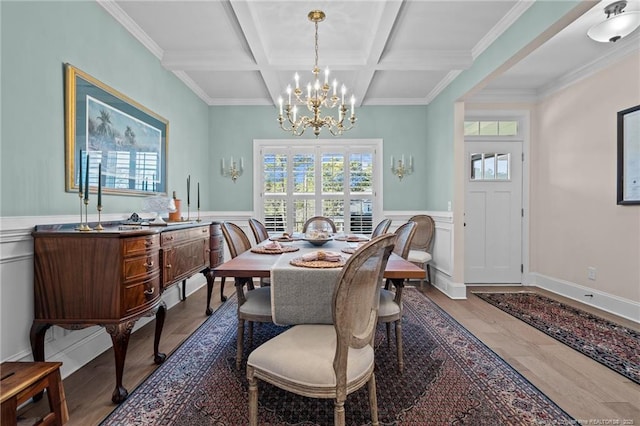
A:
{"x": 387, "y": 52}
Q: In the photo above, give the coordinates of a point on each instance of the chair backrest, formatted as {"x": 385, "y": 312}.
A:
{"x": 381, "y": 228}
{"x": 425, "y": 231}
{"x": 236, "y": 239}
{"x": 355, "y": 301}
{"x": 319, "y": 223}
{"x": 403, "y": 237}
{"x": 260, "y": 232}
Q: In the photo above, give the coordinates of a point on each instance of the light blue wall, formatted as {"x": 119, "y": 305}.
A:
{"x": 37, "y": 39}
{"x": 402, "y": 129}
{"x": 440, "y": 124}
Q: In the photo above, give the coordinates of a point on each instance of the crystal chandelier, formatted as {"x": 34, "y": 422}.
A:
{"x": 319, "y": 95}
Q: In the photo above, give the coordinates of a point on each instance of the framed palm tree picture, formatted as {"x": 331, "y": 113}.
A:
{"x": 107, "y": 131}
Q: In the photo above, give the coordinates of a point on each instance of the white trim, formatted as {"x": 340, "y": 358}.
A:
{"x": 620, "y": 306}
{"x": 130, "y": 25}
{"x": 523, "y": 117}
{"x": 503, "y": 24}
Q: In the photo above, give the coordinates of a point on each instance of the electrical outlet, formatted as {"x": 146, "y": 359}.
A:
{"x": 591, "y": 273}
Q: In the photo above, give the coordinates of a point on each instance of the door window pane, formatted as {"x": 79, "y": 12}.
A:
{"x": 332, "y": 173}
{"x": 490, "y": 166}
{"x": 275, "y": 174}
{"x": 275, "y": 215}
{"x": 304, "y": 169}
{"x": 361, "y": 172}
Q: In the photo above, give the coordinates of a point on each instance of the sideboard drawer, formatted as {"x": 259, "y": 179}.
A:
{"x": 141, "y": 266}
{"x": 137, "y": 296}
{"x": 170, "y": 238}
{"x": 141, "y": 244}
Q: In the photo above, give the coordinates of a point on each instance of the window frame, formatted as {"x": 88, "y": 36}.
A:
{"x": 318, "y": 147}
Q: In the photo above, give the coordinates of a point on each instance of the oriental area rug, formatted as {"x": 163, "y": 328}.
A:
{"x": 606, "y": 342}
{"x": 450, "y": 377}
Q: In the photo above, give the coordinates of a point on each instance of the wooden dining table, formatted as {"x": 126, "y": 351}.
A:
{"x": 259, "y": 265}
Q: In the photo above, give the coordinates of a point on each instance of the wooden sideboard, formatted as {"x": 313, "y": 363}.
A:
{"x": 114, "y": 277}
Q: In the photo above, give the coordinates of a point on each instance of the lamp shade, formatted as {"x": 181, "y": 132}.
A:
{"x": 616, "y": 27}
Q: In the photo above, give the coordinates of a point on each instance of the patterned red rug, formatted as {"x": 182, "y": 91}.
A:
{"x": 450, "y": 377}
{"x": 610, "y": 344}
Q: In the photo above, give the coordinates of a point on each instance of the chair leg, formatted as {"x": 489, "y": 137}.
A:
{"x": 373, "y": 400}
{"x": 239, "y": 348}
{"x": 253, "y": 398}
{"x": 250, "y": 333}
{"x": 388, "y": 325}
{"x": 399, "y": 344}
{"x": 222, "y": 298}
{"x": 338, "y": 413}
{"x": 429, "y": 273}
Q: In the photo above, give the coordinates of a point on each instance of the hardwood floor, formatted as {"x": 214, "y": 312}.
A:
{"x": 587, "y": 390}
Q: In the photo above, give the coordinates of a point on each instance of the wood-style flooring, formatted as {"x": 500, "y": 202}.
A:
{"x": 587, "y": 390}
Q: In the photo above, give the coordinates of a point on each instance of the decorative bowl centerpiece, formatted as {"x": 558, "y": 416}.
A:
{"x": 317, "y": 238}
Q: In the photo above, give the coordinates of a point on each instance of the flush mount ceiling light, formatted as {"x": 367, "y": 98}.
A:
{"x": 617, "y": 25}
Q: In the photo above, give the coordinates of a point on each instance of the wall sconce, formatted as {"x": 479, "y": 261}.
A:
{"x": 232, "y": 171}
{"x": 401, "y": 169}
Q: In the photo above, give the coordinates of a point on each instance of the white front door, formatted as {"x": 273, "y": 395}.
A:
{"x": 493, "y": 212}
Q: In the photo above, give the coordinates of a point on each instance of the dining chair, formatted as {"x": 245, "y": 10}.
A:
{"x": 329, "y": 360}
{"x": 260, "y": 232}
{"x": 422, "y": 244}
{"x": 319, "y": 223}
{"x": 390, "y": 310}
{"x": 381, "y": 228}
{"x": 254, "y": 304}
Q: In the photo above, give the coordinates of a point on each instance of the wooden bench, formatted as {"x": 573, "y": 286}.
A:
{"x": 23, "y": 380}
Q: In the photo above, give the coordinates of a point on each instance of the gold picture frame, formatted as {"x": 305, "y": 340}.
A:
{"x": 127, "y": 139}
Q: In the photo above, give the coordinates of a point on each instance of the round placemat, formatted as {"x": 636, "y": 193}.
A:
{"x": 349, "y": 250}
{"x": 347, "y": 239}
{"x": 298, "y": 261}
{"x": 284, "y": 239}
{"x": 285, "y": 249}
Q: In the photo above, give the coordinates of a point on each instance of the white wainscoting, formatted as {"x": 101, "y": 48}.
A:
{"x": 76, "y": 348}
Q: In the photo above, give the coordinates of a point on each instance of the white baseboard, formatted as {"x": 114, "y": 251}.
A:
{"x": 609, "y": 303}
{"x": 452, "y": 289}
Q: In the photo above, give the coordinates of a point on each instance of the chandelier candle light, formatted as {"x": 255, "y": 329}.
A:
{"x": 319, "y": 95}
{"x": 233, "y": 171}
{"x": 402, "y": 169}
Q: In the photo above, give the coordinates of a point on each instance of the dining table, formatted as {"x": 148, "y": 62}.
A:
{"x": 302, "y": 294}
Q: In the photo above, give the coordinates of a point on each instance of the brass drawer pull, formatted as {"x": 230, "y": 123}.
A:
{"x": 148, "y": 243}
{"x": 149, "y": 264}
{"x": 150, "y": 291}
{"x": 204, "y": 231}
{"x": 168, "y": 266}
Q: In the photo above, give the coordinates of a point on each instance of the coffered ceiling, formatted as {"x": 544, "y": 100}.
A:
{"x": 387, "y": 52}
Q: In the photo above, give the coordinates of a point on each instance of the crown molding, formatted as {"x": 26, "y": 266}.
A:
{"x": 618, "y": 52}
{"x": 503, "y": 24}
{"x": 442, "y": 85}
{"x": 129, "y": 24}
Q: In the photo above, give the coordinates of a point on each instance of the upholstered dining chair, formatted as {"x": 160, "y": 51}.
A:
{"x": 319, "y": 223}
{"x": 329, "y": 360}
{"x": 260, "y": 232}
{"x": 420, "y": 252}
{"x": 254, "y": 304}
{"x": 381, "y": 228}
{"x": 390, "y": 310}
